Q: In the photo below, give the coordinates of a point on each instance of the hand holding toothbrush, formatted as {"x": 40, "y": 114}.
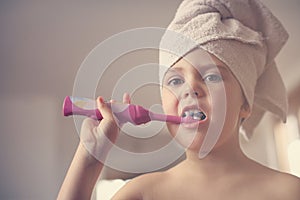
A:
{"x": 99, "y": 136}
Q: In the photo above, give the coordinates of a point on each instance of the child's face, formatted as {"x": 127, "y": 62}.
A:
{"x": 201, "y": 82}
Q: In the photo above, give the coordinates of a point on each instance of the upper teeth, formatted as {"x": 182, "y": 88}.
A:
{"x": 195, "y": 114}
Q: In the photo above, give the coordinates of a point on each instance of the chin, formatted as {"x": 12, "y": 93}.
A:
{"x": 191, "y": 139}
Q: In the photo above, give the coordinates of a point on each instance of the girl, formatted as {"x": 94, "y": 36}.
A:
{"x": 226, "y": 74}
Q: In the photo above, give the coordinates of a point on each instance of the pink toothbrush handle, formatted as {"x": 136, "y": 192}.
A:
{"x": 134, "y": 114}
{"x": 70, "y": 109}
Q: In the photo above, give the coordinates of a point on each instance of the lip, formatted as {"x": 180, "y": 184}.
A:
{"x": 193, "y": 125}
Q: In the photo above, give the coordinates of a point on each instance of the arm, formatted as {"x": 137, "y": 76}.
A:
{"x": 81, "y": 177}
{"x": 85, "y": 168}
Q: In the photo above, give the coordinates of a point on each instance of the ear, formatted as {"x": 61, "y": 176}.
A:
{"x": 245, "y": 111}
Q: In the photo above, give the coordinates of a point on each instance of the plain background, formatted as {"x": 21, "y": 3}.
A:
{"x": 43, "y": 43}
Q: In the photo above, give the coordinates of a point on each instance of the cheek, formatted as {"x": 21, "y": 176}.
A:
{"x": 227, "y": 108}
{"x": 223, "y": 108}
{"x": 169, "y": 102}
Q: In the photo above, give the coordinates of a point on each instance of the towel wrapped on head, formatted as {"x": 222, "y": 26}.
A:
{"x": 244, "y": 35}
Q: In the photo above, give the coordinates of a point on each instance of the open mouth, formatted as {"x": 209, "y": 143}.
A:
{"x": 194, "y": 114}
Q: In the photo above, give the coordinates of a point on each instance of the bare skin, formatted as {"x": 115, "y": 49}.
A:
{"x": 192, "y": 180}
{"x": 225, "y": 173}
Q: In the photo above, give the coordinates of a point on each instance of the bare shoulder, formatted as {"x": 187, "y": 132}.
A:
{"x": 273, "y": 184}
{"x": 281, "y": 185}
{"x": 287, "y": 186}
{"x": 139, "y": 186}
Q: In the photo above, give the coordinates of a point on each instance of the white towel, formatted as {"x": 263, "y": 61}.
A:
{"x": 243, "y": 34}
{"x": 106, "y": 189}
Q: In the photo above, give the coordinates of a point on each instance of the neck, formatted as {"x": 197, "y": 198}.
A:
{"x": 223, "y": 158}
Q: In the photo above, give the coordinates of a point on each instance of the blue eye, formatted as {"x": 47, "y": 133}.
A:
{"x": 175, "y": 82}
{"x": 213, "y": 78}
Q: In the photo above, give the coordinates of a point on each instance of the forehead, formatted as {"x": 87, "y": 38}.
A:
{"x": 200, "y": 60}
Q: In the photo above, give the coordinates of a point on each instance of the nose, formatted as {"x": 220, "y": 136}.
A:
{"x": 191, "y": 93}
{"x": 193, "y": 90}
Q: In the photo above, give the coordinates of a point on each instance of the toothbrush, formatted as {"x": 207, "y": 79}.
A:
{"x": 134, "y": 114}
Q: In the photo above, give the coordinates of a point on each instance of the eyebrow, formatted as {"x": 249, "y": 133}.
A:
{"x": 202, "y": 68}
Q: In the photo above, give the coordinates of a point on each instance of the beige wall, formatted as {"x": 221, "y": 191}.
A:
{"x": 42, "y": 44}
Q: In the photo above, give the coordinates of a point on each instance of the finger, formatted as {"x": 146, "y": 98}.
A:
{"x": 89, "y": 124}
{"x": 104, "y": 109}
{"x": 126, "y": 98}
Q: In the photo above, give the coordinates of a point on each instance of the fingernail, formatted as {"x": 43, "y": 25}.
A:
{"x": 101, "y": 100}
